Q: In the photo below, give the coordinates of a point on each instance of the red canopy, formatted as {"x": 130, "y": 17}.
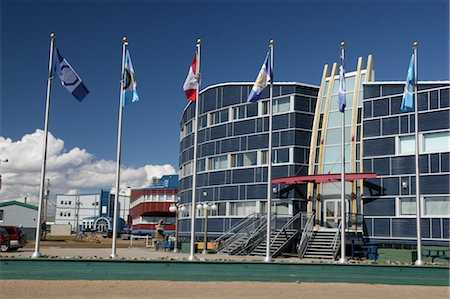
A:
{"x": 323, "y": 178}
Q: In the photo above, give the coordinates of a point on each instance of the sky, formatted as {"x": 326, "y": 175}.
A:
{"x": 162, "y": 36}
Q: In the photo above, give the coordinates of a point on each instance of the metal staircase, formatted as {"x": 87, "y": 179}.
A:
{"x": 320, "y": 246}
{"x": 280, "y": 238}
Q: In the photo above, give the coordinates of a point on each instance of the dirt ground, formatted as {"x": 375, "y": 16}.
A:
{"x": 19, "y": 289}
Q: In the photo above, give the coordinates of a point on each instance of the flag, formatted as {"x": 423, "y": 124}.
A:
{"x": 129, "y": 82}
{"x": 190, "y": 85}
{"x": 69, "y": 78}
{"x": 342, "y": 99}
{"x": 265, "y": 76}
{"x": 407, "y": 100}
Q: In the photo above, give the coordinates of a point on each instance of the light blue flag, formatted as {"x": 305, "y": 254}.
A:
{"x": 69, "y": 78}
{"x": 342, "y": 99}
{"x": 129, "y": 82}
{"x": 407, "y": 100}
{"x": 264, "y": 78}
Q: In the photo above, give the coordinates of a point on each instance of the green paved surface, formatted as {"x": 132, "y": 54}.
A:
{"x": 76, "y": 269}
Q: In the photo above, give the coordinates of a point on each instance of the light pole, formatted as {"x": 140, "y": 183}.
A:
{"x": 206, "y": 206}
{"x": 176, "y": 208}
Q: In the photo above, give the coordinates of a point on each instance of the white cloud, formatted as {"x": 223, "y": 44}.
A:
{"x": 68, "y": 170}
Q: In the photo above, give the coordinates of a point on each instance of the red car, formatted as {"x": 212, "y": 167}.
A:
{"x": 4, "y": 240}
{"x": 17, "y": 237}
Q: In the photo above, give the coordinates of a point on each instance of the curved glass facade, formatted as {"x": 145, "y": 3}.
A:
{"x": 233, "y": 155}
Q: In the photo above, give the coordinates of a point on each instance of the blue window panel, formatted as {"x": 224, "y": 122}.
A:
{"x": 379, "y": 147}
{"x": 434, "y": 99}
{"x": 229, "y": 145}
{"x": 372, "y": 187}
{"x": 262, "y": 124}
{"x": 184, "y": 225}
{"x": 381, "y": 166}
{"x": 436, "y": 228}
{"x": 434, "y": 120}
{"x": 396, "y": 102}
{"x": 216, "y": 178}
{"x": 202, "y": 135}
{"x": 405, "y": 227}
{"x": 228, "y": 176}
{"x": 371, "y": 91}
{"x": 252, "y": 110}
{"x": 412, "y": 123}
{"x": 368, "y": 226}
{"x": 403, "y": 165}
{"x": 258, "y": 141}
{"x": 425, "y": 227}
{"x": 301, "y": 121}
{"x": 381, "y": 107}
{"x": 445, "y": 162}
{"x": 287, "y": 89}
{"x": 281, "y": 121}
{"x": 287, "y": 138}
{"x": 244, "y": 127}
{"x": 202, "y": 179}
{"x": 390, "y": 126}
{"x": 231, "y": 95}
{"x": 243, "y": 175}
{"x": 404, "y": 128}
{"x": 423, "y": 101}
{"x": 379, "y": 207}
{"x": 242, "y": 192}
{"x": 215, "y": 224}
{"x": 309, "y": 91}
{"x": 297, "y": 170}
{"x": 313, "y": 105}
{"x": 257, "y": 191}
{"x": 444, "y": 98}
{"x": 244, "y": 143}
{"x": 405, "y": 179}
{"x": 368, "y": 165}
{"x": 276, "y": 139}
{"x": 218, "y": 132}
{"x": 446, "y": 227}
{"x": 301, "y": 103}
{"x": 391, "y": 186}
{"x": 302, "y": 138}
{"x": 207, "y": 149}
{"x": 423, "y": 164}
{"x": 299, "y": 155}
{"x": 208, "y": 100}
{"x": 392, "y": 89}
{"x": 435, "y": 184}
{"x": 368, "y": 109}
{"x": 381, "y": 227}
{"x": 372, "y": 128}
{"x": 280, "y": 171}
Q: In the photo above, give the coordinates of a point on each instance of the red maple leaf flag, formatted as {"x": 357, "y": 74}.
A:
{"x": 190, "y": 85}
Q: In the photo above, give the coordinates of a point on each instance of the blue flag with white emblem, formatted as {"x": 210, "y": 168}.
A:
{"x": 342, "y": 99}
{"x": 129, "y": 82}
{"x": 265, "y": 76}
{"x": 407, "y": 100}
{"x": 69, "y": 78}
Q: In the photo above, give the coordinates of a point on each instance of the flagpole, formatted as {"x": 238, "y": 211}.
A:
{"x": 343, "y": 258}
{"x": 119, "y": 149}
{"x": 419, "y": 261}
{"x": 36, "y": 253}
{"x": 268, "y": 257}
{"x": 194, "y": 168}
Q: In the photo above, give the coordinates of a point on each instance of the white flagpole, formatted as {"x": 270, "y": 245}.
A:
{"x": 343, "y": 258}
{"x": 194, "y": 167}
{"x": 36, "y": 253}
{"x": 419, "y": 261}
{"x": 268, "y": 257}
{"x": 119, "y": 149}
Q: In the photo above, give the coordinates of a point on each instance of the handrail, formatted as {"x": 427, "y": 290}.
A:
{"x": 283, "y": 229}
{"x": 241, "y": 224}
{"x": 257, "y": 234}
{"x": 336, "y": 240}
{"x": 306, "y": 234}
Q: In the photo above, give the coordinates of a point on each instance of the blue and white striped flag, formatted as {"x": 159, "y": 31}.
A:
{"x": 69, "y": 78}
{"x": 342, "y": 99}
{"x": 407, "y": 100}
{"x": 129, "y": 85}
{"x": 264, "y": 78}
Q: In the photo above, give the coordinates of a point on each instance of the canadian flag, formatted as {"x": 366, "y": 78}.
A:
{"x": 190, "y": 85}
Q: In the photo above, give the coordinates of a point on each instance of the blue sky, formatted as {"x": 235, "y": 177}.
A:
{"x": 162, "y": 37}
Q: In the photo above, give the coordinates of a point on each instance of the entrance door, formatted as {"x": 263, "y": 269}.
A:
{"x": 332, "y": 212}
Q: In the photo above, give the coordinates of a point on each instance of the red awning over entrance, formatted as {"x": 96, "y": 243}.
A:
{"x": 323, "y": 178}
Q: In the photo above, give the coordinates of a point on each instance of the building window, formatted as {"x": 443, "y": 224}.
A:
{"x": 242, "y": 208}
{"x": 263, "y": 160}
{"x": 281, "y": 156}
{"x": 219, "y": 162}
{"x": 264, "y": 107}
{"x": 244, "y": 159}
{"x": 436, "y": 142}
{"x": 218, "y": 117}
{"x": 61, "y": 214}
{"x": 203, "y": 121}
{"x": 282, "y": 105}
{"x": 239, "y": 112}
{"x": 406, "y": 145}
{"x": 186, "y": 212}
{"x": 437, "y": 206}
{"x": 407, "y": 206}
{"x": 188, "y": 128}
{"x": 68, "y": 214}
{"x": 70, "y": 202}
{"x": 201, "y": 165}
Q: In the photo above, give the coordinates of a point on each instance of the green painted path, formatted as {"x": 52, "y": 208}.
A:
{"x": 78, "y": 269}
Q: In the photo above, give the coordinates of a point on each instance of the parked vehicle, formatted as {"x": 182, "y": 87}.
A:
{"x": 4, "y": 240}
{"x": 17, "y": 237}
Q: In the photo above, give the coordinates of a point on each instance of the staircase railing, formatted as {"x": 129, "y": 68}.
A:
{"x": 306, "y": 234}
{"x": 336, "y": 241}
{"x": 241, "y": 224}
{"x": 285, "y": 227}
{"x": 257, "y": 236}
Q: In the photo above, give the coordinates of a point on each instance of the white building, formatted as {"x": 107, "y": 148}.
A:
{"x": 19, "y": 214}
